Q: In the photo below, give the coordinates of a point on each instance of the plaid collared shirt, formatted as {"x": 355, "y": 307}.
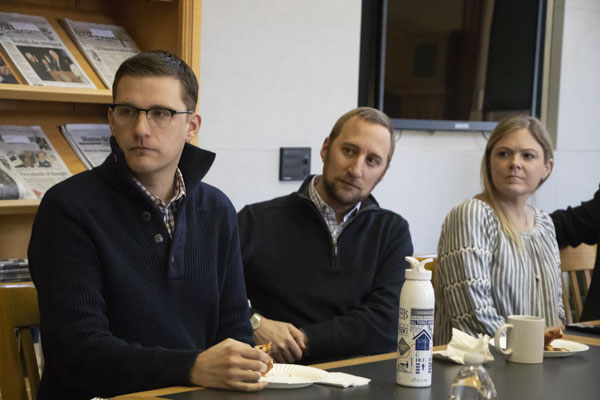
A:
{"x": 328, "y": 213}
{"x": 169, "y": 210}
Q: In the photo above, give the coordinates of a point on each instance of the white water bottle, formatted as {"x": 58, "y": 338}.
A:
{"x": 415, "y": 327}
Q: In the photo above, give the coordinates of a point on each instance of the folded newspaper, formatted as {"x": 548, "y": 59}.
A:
{"x": 29, "y": 164}
{"x": 6, "y": 75}
{"x": 104, "y": 46}
{"x": 91, "y": 142}
{"x": 37, "y": 52}
{"x": 14, "y": 270}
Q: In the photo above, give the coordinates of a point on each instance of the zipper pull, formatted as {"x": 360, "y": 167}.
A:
{"x": 333, "y": 260}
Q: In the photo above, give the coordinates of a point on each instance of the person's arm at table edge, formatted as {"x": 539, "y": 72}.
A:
{"x": 330, "y": 338}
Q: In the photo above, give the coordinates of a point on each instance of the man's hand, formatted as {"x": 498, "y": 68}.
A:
{"x": 230, "y": 365}
{"x": 288, "y": 343}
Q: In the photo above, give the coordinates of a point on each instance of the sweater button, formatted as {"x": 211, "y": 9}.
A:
{"x": 146, "y": 216}
{"x": 158, "y": 238}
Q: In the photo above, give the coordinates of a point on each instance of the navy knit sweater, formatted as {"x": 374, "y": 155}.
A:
{"x": 123, "y": 307}
{"x": 344, "y": 297}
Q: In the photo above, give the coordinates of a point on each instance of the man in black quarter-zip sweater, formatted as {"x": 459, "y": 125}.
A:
{"x": 324, "y": 266}
{"x": 137, "y": 262}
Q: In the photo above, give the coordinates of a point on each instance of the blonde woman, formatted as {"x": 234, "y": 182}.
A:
{"x": 498, "y": 255}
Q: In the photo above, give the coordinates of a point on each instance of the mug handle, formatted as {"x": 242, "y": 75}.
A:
{"x": 497, "y": 336}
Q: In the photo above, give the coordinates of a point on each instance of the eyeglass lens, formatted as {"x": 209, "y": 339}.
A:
{"x": 127, "y": 115}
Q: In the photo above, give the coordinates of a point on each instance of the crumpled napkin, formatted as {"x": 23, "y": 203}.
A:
{"x": 462, "y": 343}
{"x": 341, "y": 379}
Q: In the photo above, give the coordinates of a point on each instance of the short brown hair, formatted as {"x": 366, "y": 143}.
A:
{"x": 367, "y": 114}
{"x": 161, "y": 63}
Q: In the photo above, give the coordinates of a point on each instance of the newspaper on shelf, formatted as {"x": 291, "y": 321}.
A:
{"x": 29, "y": 164}
{"x": 6, "y": 75}
{"x": 14, "y": 270}
{"x": 91, "y": 142}
{"x": 104, "y": 46}
{"x": 37, "y": 52}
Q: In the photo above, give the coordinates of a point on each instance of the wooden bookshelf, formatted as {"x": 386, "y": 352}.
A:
{"x": 53, "y": 93}
{"x": 11, "y": 207}
{"x": 172, "y": 25}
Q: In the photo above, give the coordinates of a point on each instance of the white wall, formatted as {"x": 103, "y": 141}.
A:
{"x": 273, "y": 74}
{"x": 279, "y": 73}
{"x": 577, "y": 168}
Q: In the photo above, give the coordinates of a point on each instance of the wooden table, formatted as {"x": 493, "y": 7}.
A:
{"x": 577, "y": 375}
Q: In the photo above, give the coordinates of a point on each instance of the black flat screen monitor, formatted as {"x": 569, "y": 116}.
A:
{"x": 452, "y": 64}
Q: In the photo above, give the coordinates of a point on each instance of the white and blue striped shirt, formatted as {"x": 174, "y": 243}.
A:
{"x": 482, "y": 277}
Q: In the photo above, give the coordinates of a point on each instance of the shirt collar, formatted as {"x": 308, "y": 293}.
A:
{"x": 177, "y": 195}
{"x": 323, "y": 207}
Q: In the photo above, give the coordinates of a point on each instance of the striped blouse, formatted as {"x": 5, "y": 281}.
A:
{"x": 482, "y": 277}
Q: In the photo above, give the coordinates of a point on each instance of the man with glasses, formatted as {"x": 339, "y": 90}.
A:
{"x": 324, "y": 265}
{"x": 137, "y": 262}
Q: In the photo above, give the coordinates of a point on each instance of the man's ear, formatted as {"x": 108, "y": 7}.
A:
{"x": 382, "y": 175}
{"x": 193, "y": 126}
{"x": 325, "y": 149}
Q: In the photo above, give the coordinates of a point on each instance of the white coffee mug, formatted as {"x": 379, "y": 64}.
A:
{"x": 524, "y": 339}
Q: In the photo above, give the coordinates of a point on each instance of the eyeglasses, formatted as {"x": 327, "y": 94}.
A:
{"x": 157, "y": 117}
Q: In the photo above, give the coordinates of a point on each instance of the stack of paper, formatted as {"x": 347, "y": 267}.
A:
{"x": 104, "y": 46}
{"x": 341, "y": 379}
{"x": 14, "y": 270}
{"x": 29, "y": 164}
{"x": 38, "y": 53}
{"x": 89, "y": 141}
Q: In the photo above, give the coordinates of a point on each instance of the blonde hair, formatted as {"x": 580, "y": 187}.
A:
{"x": 490, "y": 193}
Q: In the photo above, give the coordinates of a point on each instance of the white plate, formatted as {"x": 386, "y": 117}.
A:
{"x": 572, "y": 348}
{"x": 291, "y": 376}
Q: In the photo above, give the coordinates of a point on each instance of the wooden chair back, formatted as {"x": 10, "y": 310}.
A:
{"x": 430, "y": 266}
{"x": 18, "y": 313}
{"x": 577, "y": 264}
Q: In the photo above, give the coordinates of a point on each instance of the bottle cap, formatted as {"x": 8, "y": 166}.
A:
{"x": 418, "y": 271}
{"x": 473, "y": 358}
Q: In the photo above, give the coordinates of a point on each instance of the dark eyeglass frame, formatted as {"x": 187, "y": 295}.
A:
{"x": 147, "y": 110}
